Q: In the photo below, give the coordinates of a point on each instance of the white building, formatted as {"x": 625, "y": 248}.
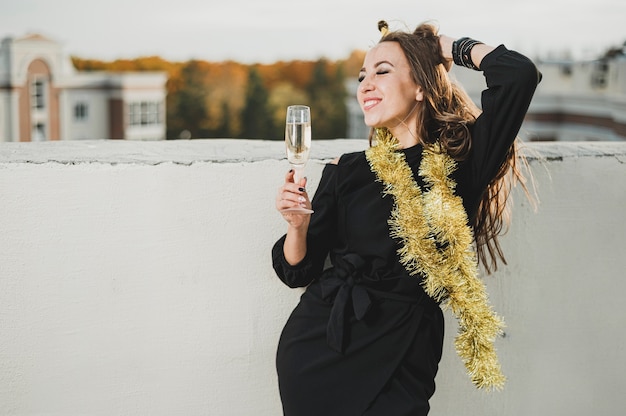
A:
{"x": 575, "y": 101}
{"x": 581, "y": 101}
{"x": 43, "y": 97}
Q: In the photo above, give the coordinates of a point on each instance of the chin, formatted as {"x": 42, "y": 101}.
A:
{"x": 372, "y": 124}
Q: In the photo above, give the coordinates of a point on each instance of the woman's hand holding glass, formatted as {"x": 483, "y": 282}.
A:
{"x": 293, "y": 195}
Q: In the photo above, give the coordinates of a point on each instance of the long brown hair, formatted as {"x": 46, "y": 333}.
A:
{"x": 445, "y": 115}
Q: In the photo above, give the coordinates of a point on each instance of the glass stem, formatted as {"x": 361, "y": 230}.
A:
{"x": 297, "y": 175}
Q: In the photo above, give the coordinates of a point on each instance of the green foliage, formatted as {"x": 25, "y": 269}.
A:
{"x": 189, "y": 103}
{"x": 282, "y": 96}
{"x": 224, "y": 129}
{"x": 255, "y": 116}
{"x": 327, "y": 94}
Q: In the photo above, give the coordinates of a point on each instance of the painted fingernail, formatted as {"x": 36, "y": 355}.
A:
{"x": 290, "y": 170}
{"x": 301, "y": 189}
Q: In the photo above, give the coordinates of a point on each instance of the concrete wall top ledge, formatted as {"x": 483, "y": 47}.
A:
{"x": 568, "y": 150}
{"x": 187, "y": 152}
{"x": 183, "y": 152}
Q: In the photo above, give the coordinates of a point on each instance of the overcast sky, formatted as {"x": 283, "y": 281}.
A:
{"x": 269, "y": 30}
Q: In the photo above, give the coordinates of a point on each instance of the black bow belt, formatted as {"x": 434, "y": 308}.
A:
{"x": 343, "y": 285}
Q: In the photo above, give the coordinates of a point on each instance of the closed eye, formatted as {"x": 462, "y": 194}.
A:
{"x": 379, "y": 72}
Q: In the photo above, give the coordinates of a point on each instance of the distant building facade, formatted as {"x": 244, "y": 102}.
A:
{"x": 580, "y": 101}
{"x": 575, "y": 101}
{"x": 356, "y": 128}
{"x": 43, "y": 97}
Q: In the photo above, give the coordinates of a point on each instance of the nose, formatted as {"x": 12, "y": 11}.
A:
{"x": 366, "y": 85}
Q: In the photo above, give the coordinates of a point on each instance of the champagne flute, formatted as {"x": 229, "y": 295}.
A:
{"x": 298, "y": 144}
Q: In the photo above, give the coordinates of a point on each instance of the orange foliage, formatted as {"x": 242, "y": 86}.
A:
{"x": 352, "y": 65}
{"x": 298, "y": 73}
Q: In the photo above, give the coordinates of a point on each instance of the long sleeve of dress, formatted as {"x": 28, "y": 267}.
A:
{"x": 511, "y": 82}
{"x": 320, "y": 236}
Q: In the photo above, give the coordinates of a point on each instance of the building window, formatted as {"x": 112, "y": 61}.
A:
{"x": 81, "y": 111}
{"x": 38, "y": 93}
{"x": 135, "y": 114}
{"x": 39, "y": 132}
{"x": 152, "y": 113}
{"x": 159, "y": 111}
{"x": 145, "y": 113}
{"x": 599, "y": 77}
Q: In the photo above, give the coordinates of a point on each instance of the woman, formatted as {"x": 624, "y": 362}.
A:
{"x": 399, "y": 223}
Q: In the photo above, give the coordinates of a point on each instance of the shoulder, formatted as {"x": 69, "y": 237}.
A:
{"x": 350, "y": 159}
{"x": 352, "y": 169}
{"x": 344, "y": 174}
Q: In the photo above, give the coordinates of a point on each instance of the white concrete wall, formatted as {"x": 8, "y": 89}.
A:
{"x": 135, "y": 278}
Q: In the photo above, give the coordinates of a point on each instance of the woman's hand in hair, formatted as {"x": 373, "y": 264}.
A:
{"x": 445, "y": 43}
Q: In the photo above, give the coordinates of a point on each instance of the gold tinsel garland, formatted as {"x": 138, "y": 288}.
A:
{"x": 437, "y": 244}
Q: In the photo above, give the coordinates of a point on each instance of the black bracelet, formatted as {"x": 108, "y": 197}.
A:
{"x": 462, "y": 52}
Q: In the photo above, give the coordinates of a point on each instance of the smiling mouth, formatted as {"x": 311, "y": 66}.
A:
{"x": 367, "y": 104}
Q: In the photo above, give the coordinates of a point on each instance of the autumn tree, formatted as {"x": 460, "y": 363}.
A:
{"x": 255, "y": 116}
{"x": 327, "y": 95}
{"x": 282, "y": 96}
{"x": 189, "y": 104}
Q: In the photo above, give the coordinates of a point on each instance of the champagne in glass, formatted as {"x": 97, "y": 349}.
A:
{"x": 298, "y": 142}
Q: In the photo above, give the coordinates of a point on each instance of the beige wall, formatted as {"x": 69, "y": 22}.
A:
{"x": 135, "y": 279}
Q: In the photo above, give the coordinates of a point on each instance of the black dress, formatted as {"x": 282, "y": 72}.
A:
{"x": 365, "y": 339}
